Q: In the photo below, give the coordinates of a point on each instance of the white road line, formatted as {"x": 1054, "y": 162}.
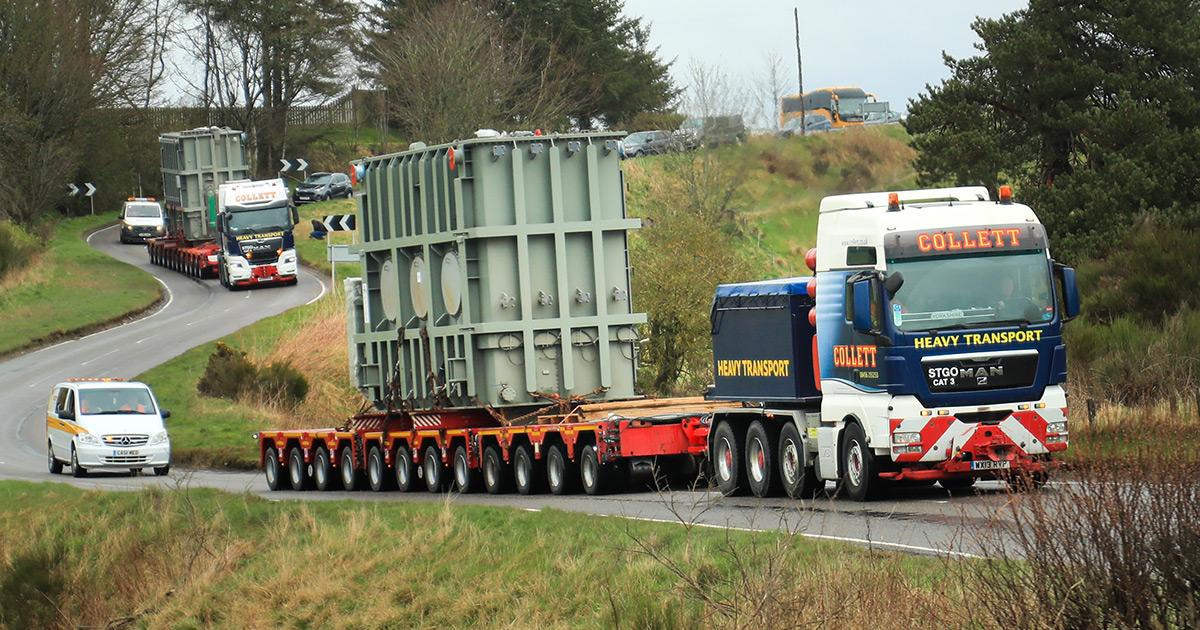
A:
{"x": 101, "y": 356}
{"x": 142, "y": 339}
{"x": 319, "y": 295}
{"x": 861, "y": 541}
{"x": 88, "y": 240}
{"x": 170, "y": 299}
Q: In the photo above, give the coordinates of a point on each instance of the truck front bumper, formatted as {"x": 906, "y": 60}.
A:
{"x": 282, "y": 272}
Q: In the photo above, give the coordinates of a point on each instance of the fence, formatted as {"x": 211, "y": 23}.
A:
{"x": 357, "y": 107}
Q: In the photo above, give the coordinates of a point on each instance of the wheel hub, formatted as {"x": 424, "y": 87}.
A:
{"x": 790, "y": 463}
{"x": 854, "y": 463}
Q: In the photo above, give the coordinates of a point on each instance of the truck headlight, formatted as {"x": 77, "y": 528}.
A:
{"x": 1056, "y": 427}
{"x": 906, "y": 438}
{"x": 88, "y": 438}
{"x": 158, "y": 438}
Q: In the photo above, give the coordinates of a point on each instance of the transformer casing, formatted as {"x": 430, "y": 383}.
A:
{"x": 194, "y": 165}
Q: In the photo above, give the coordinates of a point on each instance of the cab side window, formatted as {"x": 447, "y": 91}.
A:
{"x": 60, "y": 399}
{"x": 69, "y": 404}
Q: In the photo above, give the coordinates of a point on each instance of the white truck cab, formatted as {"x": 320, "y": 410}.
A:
{"x": 106, "y": 424}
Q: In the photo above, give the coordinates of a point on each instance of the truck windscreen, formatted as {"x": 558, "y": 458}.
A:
{"x": 972, "y": 291}
{"x": 250, "y": 221}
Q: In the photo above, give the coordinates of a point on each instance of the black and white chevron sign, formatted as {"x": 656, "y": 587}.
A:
{"x": 339, "y": 222}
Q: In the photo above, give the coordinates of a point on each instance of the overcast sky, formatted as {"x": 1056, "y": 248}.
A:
{"x": 892, "y": 48}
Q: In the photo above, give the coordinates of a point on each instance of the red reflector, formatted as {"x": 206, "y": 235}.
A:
{"x": 810, "y": 259}
{"x": 450, "y": 157}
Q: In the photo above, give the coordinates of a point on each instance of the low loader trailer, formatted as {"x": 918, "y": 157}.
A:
{"x": 926, "y": 347}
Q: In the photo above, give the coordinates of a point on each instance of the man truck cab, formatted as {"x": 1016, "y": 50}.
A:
{"x": 106, "y": 424}
{"x": 255, "y": 221}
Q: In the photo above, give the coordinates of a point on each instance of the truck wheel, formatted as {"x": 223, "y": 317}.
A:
{"x": 727, "y": 460}
{"x": 297, "y": 472}
{"x": 404, "y": 469}
{"x": 433, "y": 469}
{"x": 1022, "y": 481}
{"x": 798, "y": 476}
{"x": 351, "y": 477}
{"x": 559, "y": 471}
{"x": 497, "y": 478}
{"x": 465, "y": 479}
{"x": 271, "y": 469}
{"x": 957, "y": 484}
{"x": 860, "y": 474}
{"x": 761, "y": 447}
{"x": 322, "y": 470}
{"x": 76, "y": 469}
{"x": 526, "y": 472}
{"x": 377, "y": 473}
{"x": 52, "y": 461}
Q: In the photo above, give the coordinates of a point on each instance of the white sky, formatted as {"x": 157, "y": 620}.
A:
{"x": 892, "y": 48}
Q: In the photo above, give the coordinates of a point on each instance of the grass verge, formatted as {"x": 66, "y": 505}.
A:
{"x": 222, "y": 560}
{"x": 70, "y": 288}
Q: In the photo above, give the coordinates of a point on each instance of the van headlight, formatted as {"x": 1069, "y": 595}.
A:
{"x": 158, "y": 438}
{"x": 88, "y": 438}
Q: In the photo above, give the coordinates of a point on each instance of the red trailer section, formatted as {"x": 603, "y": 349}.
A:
{"x": 591, "y": 448}
{"x": 194, "y": 258}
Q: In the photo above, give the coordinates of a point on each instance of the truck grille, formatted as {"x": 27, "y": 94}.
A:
{"x": 123, "y": 440}
{"x": 126, "y": 459}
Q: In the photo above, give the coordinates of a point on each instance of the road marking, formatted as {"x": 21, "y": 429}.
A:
{"x": 319, "y": 295}
{"x": 861, "y": 541}
{"x": 142, "y": 339}
{"x": 101, "y": 356}
{"x": 170, "y": 299}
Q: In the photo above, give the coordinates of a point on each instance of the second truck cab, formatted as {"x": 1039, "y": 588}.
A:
{"x": 257, "y": 246}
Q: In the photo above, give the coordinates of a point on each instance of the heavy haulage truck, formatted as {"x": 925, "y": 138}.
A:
{"x": 219, "y": 222}
{"x": 493, "y": 333}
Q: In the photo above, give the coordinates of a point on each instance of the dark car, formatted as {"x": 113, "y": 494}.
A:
{"x": 647, "y": 143}
{"x": 323, "y": 186}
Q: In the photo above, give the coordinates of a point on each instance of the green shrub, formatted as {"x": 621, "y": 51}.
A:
{"x": 17, "y": 247}
{"x": 229, "y": 374}
{"x": 1129, "y": 361}
{"x": 280, "y": 381}
{"x": 1154, "y": 275}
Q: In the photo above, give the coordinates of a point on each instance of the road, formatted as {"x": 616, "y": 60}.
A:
{"x": 927, "y": 521}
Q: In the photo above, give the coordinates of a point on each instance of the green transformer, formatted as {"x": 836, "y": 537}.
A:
{"x": 194, "y": 165}
{"x": 495, "y": 272}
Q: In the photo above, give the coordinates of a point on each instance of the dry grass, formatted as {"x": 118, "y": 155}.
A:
{"x": 1120, "y": 432}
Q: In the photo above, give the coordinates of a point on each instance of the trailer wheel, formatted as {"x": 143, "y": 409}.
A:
{"x": 563, "y": 477}
{"x": 860, "y": 472}
{"x": 322, "y": 470}
{"x": 497, "y": 478}
{"x": 296, "y": 469}
{"x": 727, "y": 460}
{"x": 377, "y": 474}
{"x": 351, "y": 478}
{"x": 465, "y": 479}
{"x": 528, "y": 476}
{"x": 798, "y": 476}
{"x": 596, "y": 477}
{"x": 272, "y": 470}
{"x": 402, "y": 464}
{"x": 761, "y": 447}
{"x": 432, "y": 466}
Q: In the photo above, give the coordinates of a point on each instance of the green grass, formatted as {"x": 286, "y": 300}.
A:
{"x": 203, "y": 558}
{"x": 313, "y": 252}
{"x": 69, "y": 288}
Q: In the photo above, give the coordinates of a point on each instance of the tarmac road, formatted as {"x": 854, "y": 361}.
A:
{"x": 916, "y": 520}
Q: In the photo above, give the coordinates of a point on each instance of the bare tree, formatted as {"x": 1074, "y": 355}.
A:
{"x": 769, "y": 89}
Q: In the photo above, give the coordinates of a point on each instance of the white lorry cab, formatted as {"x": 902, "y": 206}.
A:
{"x": 106, "y": 424}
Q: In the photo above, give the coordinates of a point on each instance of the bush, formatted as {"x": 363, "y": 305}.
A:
{"x": 281, "y": 381}
{"x": 230, "y": 374}
{"x": 17, "y": 247}
{"x": 1131, "y": 362}
{"x": 1156, "y": 273}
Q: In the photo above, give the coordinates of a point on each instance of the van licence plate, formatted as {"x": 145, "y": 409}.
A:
{"x": 125, "y": 452}
{"x": 990, "y": 465}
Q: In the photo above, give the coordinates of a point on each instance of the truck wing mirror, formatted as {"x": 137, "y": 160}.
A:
{"x": 861, "y": 294}
{"x": 295, "y": 216}
{"x": 892, "y": 283}
{"x": 1070, "y": 295}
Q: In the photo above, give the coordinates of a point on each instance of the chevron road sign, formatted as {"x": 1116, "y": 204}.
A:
{"x": 301, "y": 164}
{"x": 339, "y": 222}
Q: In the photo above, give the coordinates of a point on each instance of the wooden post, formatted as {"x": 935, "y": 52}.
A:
{"x": 1091, "y": 409}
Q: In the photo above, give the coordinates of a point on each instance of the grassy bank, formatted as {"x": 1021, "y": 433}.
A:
{"x": 235, "y": 561}
{"x": 69, "y": 287}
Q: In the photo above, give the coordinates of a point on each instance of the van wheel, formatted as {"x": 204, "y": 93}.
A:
{"x": 465, "y": 479}
{"x": 351, "y": 478}
{"x": 432, "y": 468}
{"x": 297, "y": 472}
{"x": 322, "y": 470}
{"x": 798, "y": 475}
{"x": 161, "y": 471}
{"x": 860, "y": 472}
{"x": 272, "y": 470}
{"x": 559, "y": 472}
{"x": 377, "y": 476}
{"x": 727, "y": 460}
{"x": 404, "y": 469}
{"x": 54, "y": 465}
{"x": 761, "y": 446}
{"x": 497, "y": 478}
{"x": 526, "y": 473}
{"x": 76, "y": 469}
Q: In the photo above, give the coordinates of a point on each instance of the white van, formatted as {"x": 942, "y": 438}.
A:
{"x": 106, "y": 424}
{"x": 142, "y": 219}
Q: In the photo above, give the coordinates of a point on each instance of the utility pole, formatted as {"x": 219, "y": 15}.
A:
{"x": 799, "y": 69}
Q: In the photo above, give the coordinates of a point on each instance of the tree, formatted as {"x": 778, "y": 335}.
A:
{"x": 453, "y": 69}
{"x": 1090, "y": 108}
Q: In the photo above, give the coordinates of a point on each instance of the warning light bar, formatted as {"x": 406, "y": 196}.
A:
{"x": 1006, "y": 194}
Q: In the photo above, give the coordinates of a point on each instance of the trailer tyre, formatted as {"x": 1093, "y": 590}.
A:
{"x": 795, "y": 470}
{"x": 297, "y": 472}
{"x": 433, "y": 469}
{"x": 377, "y": 474}
{"x": 562, "y": 476}
{"x": 497, "y": 478}
{"x": 466, "y": 480}
{"x": 273, "y": 471}
{"x": 596, "y": 478}
{"x": 727, "y": 464}
{"x": 761, "y": 468}
{"x": 404, "y": 469}
{"x": 351, "y": 478}
{"x": 860, "y": 472}
{"x": 322, "y": 470}
{"x": 528, "y": 476}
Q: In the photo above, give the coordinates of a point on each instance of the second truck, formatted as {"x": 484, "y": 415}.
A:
{"x": 220, "y": 223}
{"x": 494, "y": 334}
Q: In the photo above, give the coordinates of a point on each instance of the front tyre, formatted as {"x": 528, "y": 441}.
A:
{"x": 860, "y": 471}
{"x": 162, "y": 471}
{"x": 76, "y": 469}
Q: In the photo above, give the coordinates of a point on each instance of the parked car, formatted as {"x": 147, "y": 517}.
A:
{"x": 647, "y": 143}
{"x": 323, "y": 186}
{"x": 712, "y": 131}
{"x": 814, "y": 123}
{"x": 106, "y": 424}
{"x": 142, "y": 219}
